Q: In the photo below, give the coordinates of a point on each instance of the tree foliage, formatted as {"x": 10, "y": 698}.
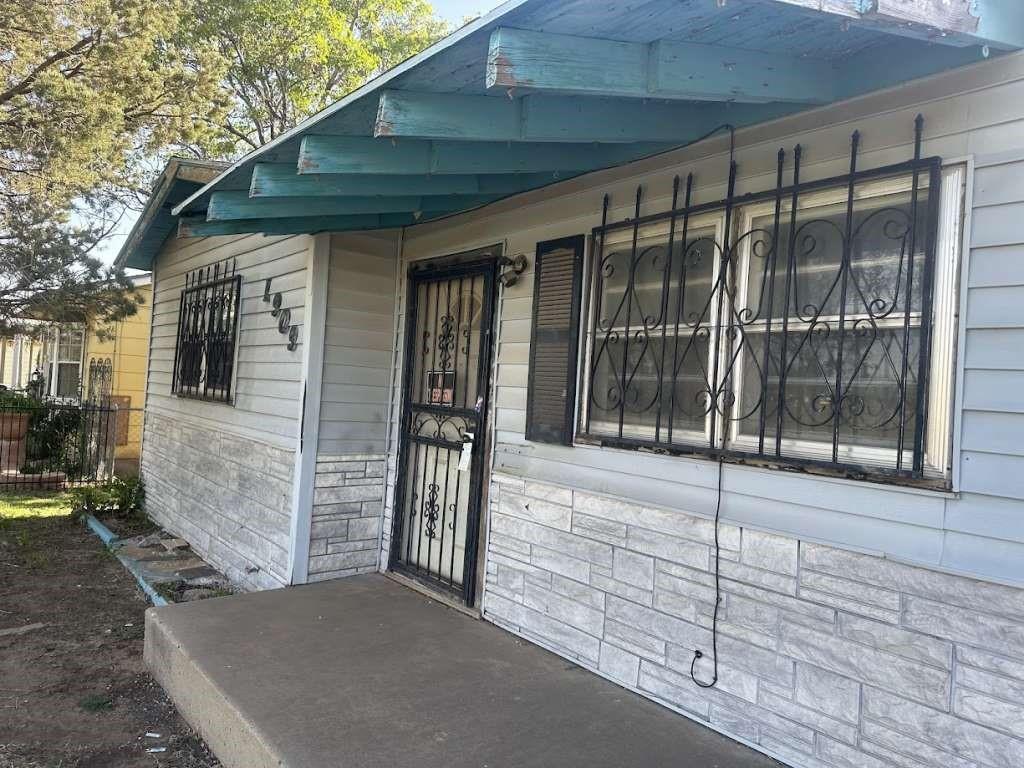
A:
{"x": 95, "y": 93}
{"x": 47, "y": 272}
{"x": 89, "y": 89}
{"x": 288, "y": 59}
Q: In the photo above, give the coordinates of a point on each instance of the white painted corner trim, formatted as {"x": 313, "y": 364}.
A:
{"x": 317, "y": 266}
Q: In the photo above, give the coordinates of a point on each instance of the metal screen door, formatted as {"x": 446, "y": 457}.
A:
{"x": 447, "y": 360}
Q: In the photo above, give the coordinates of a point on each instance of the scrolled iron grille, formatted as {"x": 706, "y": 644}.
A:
{"x": 790, "y": 325}
{"x": 442, "y": 413}
{"x": 207, "y": 333}
{"x": 101, "y": 377}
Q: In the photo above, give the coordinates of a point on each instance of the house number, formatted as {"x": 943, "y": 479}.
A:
{"x": 284, "y": 316}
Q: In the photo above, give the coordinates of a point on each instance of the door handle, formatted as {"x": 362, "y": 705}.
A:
{"x": 466, "y": 455}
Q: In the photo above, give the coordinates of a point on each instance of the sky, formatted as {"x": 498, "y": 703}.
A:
{"x": 452, "y": 11}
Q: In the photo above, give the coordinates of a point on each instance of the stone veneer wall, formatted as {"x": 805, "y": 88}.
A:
{"x": 229, "y": 497}
{"x": 826, "y": 657}
{"x": 347, "y": 508}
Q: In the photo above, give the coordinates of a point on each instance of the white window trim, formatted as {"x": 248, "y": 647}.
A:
{"x": 55, "y": 361}
{"x": 950, "y": 248}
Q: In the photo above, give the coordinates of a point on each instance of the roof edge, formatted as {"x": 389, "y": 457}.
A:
{"x": 382, "y": 79}
{"x": 197, "y": 171}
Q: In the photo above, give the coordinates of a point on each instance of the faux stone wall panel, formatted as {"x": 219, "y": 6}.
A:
{"x": 827, "y": 658}
{"x": 229, "y": 497}
{"x": 347, "y": 511}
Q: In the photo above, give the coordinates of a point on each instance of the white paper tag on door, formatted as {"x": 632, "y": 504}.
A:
{"x": 466, "y": 456}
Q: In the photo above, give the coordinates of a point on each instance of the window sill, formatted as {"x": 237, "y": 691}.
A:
{"x": 931, "y": 487}
{"x": 201, "y": 399}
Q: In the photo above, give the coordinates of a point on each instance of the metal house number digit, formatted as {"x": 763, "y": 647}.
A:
{"x": 284, "y": 316}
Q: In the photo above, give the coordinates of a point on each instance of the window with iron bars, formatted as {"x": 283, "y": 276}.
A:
{"x": 204, "y": 354}
{"x": 810, "y": 325}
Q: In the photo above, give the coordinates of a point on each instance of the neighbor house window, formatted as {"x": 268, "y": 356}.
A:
{"x": 68, "y": 379}
{"x": 61, "y": 361}
{"x": 204, "y": 354}
{"x": 810, "y": 325}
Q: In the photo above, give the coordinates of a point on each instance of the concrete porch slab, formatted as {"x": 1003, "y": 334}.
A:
{"x": 366, "y": 672}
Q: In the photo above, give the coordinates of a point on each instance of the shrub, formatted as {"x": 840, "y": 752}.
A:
{"x": 119, "y": 498}
{"x": 129, "y": 495}
{"x": 15, "y": 401}
{"x": 53, "y": 443}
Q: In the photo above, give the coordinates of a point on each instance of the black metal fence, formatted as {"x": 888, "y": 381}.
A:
{"x": 54, "y": 445}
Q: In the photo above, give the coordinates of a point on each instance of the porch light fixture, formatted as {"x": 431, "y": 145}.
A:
{"x": 517, "y": 265}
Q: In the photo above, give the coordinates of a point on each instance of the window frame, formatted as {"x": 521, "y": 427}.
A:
{"x": 870, "y": 462}
{"x": 704, "y": 221}
{"x": 54, "y": 360}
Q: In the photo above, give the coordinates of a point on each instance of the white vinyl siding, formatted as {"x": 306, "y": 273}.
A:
{"x": 358, "y": 343}
{"x": 971, "y": 115}
{"x": 267, "y": 373}
{"x": 220, "y": 474}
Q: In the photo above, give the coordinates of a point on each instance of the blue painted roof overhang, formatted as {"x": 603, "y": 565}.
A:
{"x": 542, "y": 90}
{"x": 180, "y": 178}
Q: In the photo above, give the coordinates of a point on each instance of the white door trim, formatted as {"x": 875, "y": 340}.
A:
{"x": 315, "y": 322}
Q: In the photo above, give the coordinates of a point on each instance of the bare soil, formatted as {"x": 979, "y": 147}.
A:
{"x": 75, "y": 693}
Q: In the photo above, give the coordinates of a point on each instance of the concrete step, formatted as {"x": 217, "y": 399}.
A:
{"x": 234, "y": 738}
{"x": 366, "y": 673}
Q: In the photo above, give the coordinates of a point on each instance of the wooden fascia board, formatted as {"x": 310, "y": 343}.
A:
{"x": 572, "y": 119}
{"x": 283, "y": 180}
{"x": 198, "y": 226}
{"x": 568, "y": 64}
{"x": 360, "y": 154}
{"x": 233, "y": 206}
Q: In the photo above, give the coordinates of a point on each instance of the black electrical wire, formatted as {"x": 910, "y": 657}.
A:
{"x": 698, "y": 654}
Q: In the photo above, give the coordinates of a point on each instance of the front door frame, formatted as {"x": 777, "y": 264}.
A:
{"x": 483, "y": 262}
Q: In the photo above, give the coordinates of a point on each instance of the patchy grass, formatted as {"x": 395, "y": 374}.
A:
{"x": 96, "y": 702}
{"x": 23, "y": 504}
{"x": 17, "y": 513}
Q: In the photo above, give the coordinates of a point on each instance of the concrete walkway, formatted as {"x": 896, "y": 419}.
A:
{"x": 366, "y": 672}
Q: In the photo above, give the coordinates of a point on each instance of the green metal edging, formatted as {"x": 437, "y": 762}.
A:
{"x": 110, "y": 541}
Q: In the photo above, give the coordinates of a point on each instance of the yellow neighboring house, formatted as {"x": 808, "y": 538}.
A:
{"x": 102, "y": 364}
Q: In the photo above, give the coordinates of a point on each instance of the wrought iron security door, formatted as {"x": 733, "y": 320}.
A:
{"x": 447, "y": 360}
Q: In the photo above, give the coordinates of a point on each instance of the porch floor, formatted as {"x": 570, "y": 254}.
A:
{"x": 366, "y": 672}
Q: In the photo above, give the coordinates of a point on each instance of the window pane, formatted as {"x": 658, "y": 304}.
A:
{"x": 872, "y": 404}
{"x": 67, "y": 379}
{"x": 879, "y": 260}
{"x": 70, "y": 346}
{"x": 652, "y": 315}
{"x": 864, "y": 367}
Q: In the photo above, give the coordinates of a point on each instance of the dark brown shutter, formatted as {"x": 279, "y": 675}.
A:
{"x": 554, "y": 344}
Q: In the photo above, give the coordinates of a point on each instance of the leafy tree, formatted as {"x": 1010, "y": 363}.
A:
{"x": 287, "y": 59}
{"x": 47, "y": 272}
{"x": 89, "y": 89}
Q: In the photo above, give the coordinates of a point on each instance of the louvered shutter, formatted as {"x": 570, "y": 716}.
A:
{"x": 554, "y": 345}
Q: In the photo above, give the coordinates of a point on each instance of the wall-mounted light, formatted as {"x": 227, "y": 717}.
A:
{"x": 511, "y": 268}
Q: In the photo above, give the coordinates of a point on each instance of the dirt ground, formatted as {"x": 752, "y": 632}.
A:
{"x": 74, "y": 693}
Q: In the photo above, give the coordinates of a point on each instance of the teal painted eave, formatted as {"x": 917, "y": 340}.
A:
{"x": 542, "y": 90}
{"x": 199, "y": 226}
{"x": 180, "y": 178}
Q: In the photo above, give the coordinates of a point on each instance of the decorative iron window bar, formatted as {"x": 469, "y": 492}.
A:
{"x": 790, "y": 326}
{"x": 204, "y": 355}
{"x": 101, "y": 378}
